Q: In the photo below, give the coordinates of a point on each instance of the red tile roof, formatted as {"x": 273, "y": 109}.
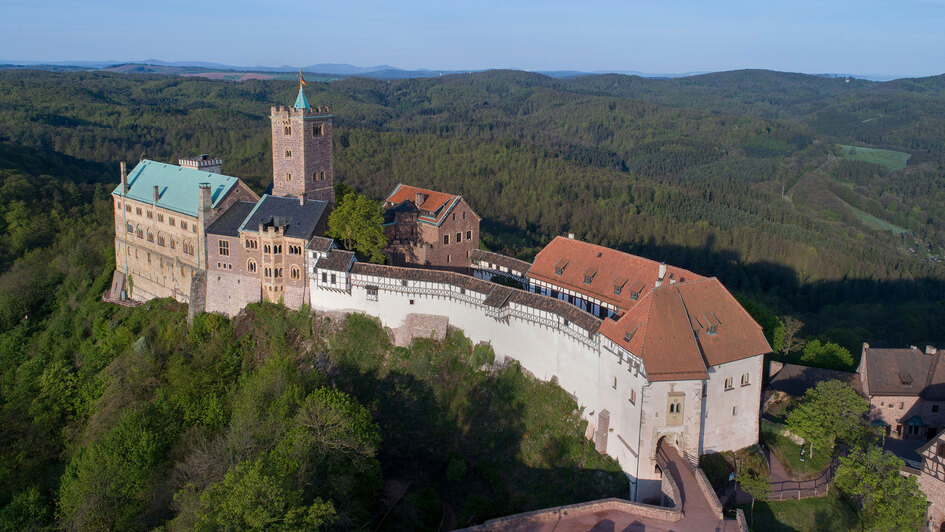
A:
{"x": 434, "y": 205}
{"x": 606, "y": 269}
{"x": 680, "y": 329}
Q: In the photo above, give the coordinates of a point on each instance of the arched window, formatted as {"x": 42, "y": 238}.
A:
{"x": 287, "y": 130}
{"x": 746, "y": 379}
{"x": 318, "y": 130}
{"x": 251, "y": 266}
{"x": 160, "y": 240}
{"x": 288, "y": 176}
{"x": 139, "y": 232}
{"x": 150, "y": 236}
{"x": 172, "y": 242}
{"x": 288, "y": 153}
{"x": 295, "y": 272}
{"x": 268, "y": 272}
{"x": 129, "y": 228}
{"x": 321, "y": 175}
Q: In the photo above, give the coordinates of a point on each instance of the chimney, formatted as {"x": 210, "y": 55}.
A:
{"x": 301, "y": 200}
{"x": 157, "y": 194}
{"x": 571, "y": 236}
{"x": 421, "y": 197}
{"x": 662, "y": 274}
{"x": 124, "y": 179}
{"x": 930, "y": 350}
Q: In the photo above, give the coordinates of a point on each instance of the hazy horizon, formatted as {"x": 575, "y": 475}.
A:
{"x": 869, "y": 38}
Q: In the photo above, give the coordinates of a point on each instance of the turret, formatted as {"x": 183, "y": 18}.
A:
{"x": 204, "y": 211}
{"x": 301, "y": 150}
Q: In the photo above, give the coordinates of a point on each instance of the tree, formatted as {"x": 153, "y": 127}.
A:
{"x": 357, "y": 222}
{"x": 827, "y": 355}
{"x": 831, "y": 410}
{"x": 888, "y": 500}
{"x": 792, "y": 326}
{"x": 755, "y": 483}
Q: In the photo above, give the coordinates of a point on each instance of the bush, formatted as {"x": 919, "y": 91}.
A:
{"x": 827, "y": 355}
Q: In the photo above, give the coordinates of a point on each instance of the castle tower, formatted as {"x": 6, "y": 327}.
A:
{"x": 301, "y": 150}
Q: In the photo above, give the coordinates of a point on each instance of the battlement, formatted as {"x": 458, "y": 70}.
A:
{"x": 291, "y": 112}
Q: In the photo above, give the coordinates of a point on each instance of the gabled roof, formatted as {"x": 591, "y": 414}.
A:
{"x": 905, "y": 372}
{"x": 512, "y": 264}
{"x": 298, "y": 219}
{"x": 681, "y": 329}
{"x": 177, "y": 186}
{"x": 433, "y": 207}
{"x": 337, "y": 260}
{"x": 320, "y": 243}
{"x": 228, "y": 223}
{"x": 608, "y": 270}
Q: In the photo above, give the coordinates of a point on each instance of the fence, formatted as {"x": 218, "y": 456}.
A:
{"x": 802, "y": 489}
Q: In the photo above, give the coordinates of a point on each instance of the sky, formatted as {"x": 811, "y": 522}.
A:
{"x": 868, "y": 37}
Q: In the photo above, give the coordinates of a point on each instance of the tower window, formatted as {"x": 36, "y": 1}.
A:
{"x": 318, "y": 130}
{"x": 321, "y": 175}
{"x": 288, "y": 176}
{"x": 459, "y": 237}
{"x": 251, "y": 266}
{"x": 288, "y": 153}
{"x": 295, "y": 272}
{"x": 446, "y": 239}
{"x": 287, "y": 130}
{"x": 468, "y": 234}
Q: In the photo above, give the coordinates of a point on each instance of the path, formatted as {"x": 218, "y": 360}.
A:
{"x": 783, "y": 486}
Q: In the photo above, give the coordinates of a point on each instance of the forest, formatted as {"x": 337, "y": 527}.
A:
{"x": 737, "y": 175}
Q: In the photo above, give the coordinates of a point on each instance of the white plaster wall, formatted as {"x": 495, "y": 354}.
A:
{"x": 723, "y": 430}
{"x": 542, "y": 350}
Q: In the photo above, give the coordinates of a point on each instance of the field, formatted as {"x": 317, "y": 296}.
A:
{"x": 819, "y": 513}
{"x": 894, "y": 160}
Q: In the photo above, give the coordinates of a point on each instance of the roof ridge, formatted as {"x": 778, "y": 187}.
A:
{"x": 695, "y": 336}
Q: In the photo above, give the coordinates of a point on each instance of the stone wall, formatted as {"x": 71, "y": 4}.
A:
{"x": 301, "y": 153}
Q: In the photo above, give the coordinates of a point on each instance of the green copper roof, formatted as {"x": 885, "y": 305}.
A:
{"x": 301, "y": 102}
{"x": 177, "y": 186}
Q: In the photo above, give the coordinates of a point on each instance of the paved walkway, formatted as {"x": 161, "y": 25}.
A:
{"x": 697, "y": 510}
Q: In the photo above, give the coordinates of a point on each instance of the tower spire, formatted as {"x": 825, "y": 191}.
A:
{"x": 301, "y": 102}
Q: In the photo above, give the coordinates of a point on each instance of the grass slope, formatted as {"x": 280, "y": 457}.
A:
{"x": 894, "y": 160}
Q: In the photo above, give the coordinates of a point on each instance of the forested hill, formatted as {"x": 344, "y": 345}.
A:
{"x": 820, "y": 198}
{"x": 688, "y": 170}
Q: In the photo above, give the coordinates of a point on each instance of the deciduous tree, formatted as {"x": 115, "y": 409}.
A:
{"x": 888, "y": 500}
{"x": 356, "y": 221}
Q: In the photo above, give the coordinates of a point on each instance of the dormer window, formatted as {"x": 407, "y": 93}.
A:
{"x": 589, "y": 275}
{"x": 617, "y": 290}
{"x": 634, "y": 296}
{"x": 560, "y": 266}
{"x": 713, "y": 330}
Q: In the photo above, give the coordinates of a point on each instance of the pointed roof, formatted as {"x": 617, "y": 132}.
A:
{"x": 301, "y": 102}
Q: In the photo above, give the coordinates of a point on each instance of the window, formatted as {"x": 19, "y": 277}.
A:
{"x": 446, "y": 239}
{"x": 321, "y": 175}
{"x": 160, "y": 217}
{"x": 294, "y": 272}
{"x": 138, "y": 211}
{"x": 161, "y": 240}
{"x": 150, "y": 214}
{"x": 129, "y": 228}
{"x": 324, "y": 277}
{"x": 613, "y": 383}
{"x": 713, "y": 330}
{"x": 735, "y": 410}
{"x": 277, "y": 273}
{"x": 251, "y": 266}
{"x": 941, "y": 449}
{"x": 617, "y": 290}
{"x": 334, "y": 279}
{"x": 468, "y": 234}
{"x": 902, "y": 405}
{"x": 459, "y": 237}
{"x": 183, "y": 225}
{"x": 170, "y": 220}
{"x": 150, "y": 236}
{"x": 372, "y": 293}
{"x": 318, "y": 130}
{"x": 288, "y": 154}
{"x": 287, "y": 130}
{"x": 411, "y": 301}
{"x": 634, "y": 296}
{"x": 675, "y": 408}
{"x": 295, "y": 250}
{"x": 403, "y": 282}
{"x": 172, "y": 242}
{"x": 464, "y": 215}
{"x": 267, "y": 248}
{"x": 224, "y": 248}
{"x": 728, "y": 383}
{"x": 746, "y": 379}
{"x": 251, "y": 244}
{"x": 447, "y": 258}
{"x": 913, "y": 430}
{"x": 462, "y": 291}
{"x": 633, "y": 396}
{"x": 127, "y": 208}
{"x": 454, "y": 216}
{"x": 288, "y": 176}
{"x": 268, "y": 272}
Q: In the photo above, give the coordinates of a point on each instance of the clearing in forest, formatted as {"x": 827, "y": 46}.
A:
{"x": 894, "y": 160}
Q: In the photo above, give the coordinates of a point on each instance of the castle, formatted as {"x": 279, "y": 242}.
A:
{"x": 652, "y": 353}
